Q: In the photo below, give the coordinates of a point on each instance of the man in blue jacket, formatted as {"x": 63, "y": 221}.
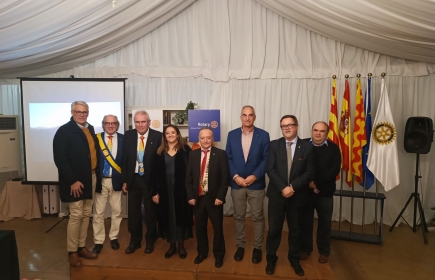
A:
{"x": 110, "y": 144}
{"x": 247, "y": 149}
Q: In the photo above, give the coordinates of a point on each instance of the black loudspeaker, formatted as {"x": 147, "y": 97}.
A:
{"x": 418, "y": 135}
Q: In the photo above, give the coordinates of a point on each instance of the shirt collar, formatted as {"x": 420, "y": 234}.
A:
{"x": 145, "y": 135}
{"x": 247, "y": 131}
{"x": 294, "y": 141}
{"x": 107, "y": 135}
{"x": 83, "y": 126}
{"x": 314, "y": 144}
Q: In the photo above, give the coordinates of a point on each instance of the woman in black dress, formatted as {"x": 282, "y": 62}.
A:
{"x": 175, "y": 216}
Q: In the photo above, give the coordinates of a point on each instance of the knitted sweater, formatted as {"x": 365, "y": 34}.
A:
{"x": 328, "y": 162}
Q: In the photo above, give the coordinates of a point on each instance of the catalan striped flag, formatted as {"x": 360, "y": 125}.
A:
{"x": 345, "y": 130}
{"x": 333, "y": 116}
{"x": 368, "y": 176}
{"x": 359, "y": 134}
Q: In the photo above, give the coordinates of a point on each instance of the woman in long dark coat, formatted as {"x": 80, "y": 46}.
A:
{"x": 175, "y": 216}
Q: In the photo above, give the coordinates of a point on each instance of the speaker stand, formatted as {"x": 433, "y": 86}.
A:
{"x": 417, "y": 203}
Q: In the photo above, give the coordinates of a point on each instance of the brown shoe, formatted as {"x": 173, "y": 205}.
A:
{"x": 74, "y": 260}
{"x": 85, "y": 253}
{"x": 323, "y": 259}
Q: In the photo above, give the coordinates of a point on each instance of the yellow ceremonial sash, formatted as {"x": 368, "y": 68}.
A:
{"x": 107, "y": 154}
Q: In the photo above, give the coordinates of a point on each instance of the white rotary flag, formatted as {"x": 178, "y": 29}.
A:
{"x": 383, "y": 159}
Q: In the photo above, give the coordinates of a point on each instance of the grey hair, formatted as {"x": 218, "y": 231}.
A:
{"x": 206, "y": 128}
{"x": 117, "y": 121}
{"x": 248, "y": 106}
{"x": 142, "y": 112}
{"x": 79, "y": 103}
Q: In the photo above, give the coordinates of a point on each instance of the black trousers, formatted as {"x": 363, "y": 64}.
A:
{"x": 324, "y": 207}
{"x": 278, "y": 210}
{"x": 140, "y": 192}
{"x": 203, "y": 210}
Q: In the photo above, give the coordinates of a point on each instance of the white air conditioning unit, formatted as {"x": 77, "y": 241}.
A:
{"x": 9, "y": 149}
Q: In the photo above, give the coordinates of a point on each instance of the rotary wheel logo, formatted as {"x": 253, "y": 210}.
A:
{"x": 155, "y": 124}
{"x": 384, "y": 133}
{"x": 214, "y": 124}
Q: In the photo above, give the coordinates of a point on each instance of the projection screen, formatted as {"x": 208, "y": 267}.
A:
{"x": 46, "y": 105}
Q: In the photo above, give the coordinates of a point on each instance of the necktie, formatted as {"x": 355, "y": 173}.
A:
{"x": 203, "y": 166}
{"x": 106, "y": 168}
{"x": 289, "y": 159}
{"x": 141, "y": 151}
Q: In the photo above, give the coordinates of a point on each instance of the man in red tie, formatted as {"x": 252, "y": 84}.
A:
{"x": 206, "y": 188}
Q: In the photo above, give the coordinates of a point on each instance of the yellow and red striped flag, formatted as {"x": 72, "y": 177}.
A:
{"x": 359, "y": 134}
{"x": 345, "y": 129}
{"x": 333, "y": 116}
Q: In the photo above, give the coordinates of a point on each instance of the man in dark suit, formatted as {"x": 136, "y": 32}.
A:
{"x": 290, "y": 167}
{"x": 110, "y": 146}
{"x": 247, "y": 149}
{"x": 75, "y": 155}
{"x": 140, "y": 148}
{"x": 206, "y": 188}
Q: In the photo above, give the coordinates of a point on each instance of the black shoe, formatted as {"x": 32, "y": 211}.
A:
{"x": 199, "y": 259}
{"x": 115, "y": 244}
{"x": 257, "y": 256}
{"x": 149, "y": 248}
{"x": 132, "y": 248}
{"x": 170, "y": 252}
{"x": 219, "y": 262}
{"x": 238, "y": 256}
{"x": 270, "y": 268}
{"x": 298, "y": 269}
{"x": 182, "y": 253}
{"x": 97, "y": 248}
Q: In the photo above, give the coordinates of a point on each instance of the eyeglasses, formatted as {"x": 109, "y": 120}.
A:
{"x": 290, "y": 125}
{"x": 84, "y": 113}
{"x": 110, "y": 123}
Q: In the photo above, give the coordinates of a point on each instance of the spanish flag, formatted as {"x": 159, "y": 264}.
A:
{"x": 345, "y": 129}
{"x": 359, "y": 134}
{"x": 333, "y": 116}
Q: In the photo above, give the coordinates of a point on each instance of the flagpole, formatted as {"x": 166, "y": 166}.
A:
{"x": 351, "y": 206}
{"x": 341, "y": 200}
{"x": 364, "y": 205}
{"x": 377, "y": 190}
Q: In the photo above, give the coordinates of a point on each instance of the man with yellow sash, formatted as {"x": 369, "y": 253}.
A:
{"x": 110, "y": 154}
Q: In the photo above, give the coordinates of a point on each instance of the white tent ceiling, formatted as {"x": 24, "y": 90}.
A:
{"x": 47, "y": 36}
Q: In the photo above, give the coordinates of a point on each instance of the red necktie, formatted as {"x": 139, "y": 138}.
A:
{"x": 203, "y": 164}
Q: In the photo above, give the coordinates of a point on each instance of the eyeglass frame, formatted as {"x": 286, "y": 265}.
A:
{"x": 83, "y": 113}
{"x": 290, "y": 125}
{"x": 110, "y": 123}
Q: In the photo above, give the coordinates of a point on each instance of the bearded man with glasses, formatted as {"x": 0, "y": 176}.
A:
{"x": 290, "y": 167}
{"x": 75, "y": 155}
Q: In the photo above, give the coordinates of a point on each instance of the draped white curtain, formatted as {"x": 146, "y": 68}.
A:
{"x": 226, "y": 54}
{"x": 46, "y": 36}
{"x": 220, "y": 40}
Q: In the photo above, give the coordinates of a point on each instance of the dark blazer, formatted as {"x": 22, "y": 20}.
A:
{"x": 116, "y": 176}
{"x": 217, "y": 174}
{"x": 130, "y": 155}
{"x": 302, "y": 171}
{"x": 73, "y": 160}
{"x": 257, "y": 158}
{"x": 183, "y": 211}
